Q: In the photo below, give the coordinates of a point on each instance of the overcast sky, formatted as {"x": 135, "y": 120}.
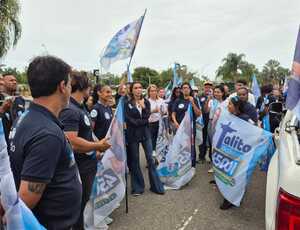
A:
{"x": 197, "y": 33}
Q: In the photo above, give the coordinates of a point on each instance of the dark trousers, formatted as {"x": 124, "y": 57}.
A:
{"x": 87, "y": 180}
{"x": 137, "y": 179}
{"x": 154, "y": 126}
{"x": 203, "y": 146}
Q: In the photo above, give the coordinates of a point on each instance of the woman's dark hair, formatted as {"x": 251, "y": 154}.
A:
{"x": 45, "y": 73}
{"x": 173, "y": 96}
{"x": 79, "y": 81}
{"x": 221, "y": 88}
{"x": 188, "y": 84}
{"x": 131, "y": 87}
{"x": 238, "y": 104}
{"x": 96, "y": 89}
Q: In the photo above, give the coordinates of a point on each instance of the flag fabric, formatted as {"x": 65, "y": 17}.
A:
{"x": 177, "y": 80}
{"x": 129, "y": 76}
{"x": 175, "y": 169}
{"x": 108, "y": 189}
{"x": 168, "y": 90}
{"x": 192, "y": 83}
{"x": 17, "y": 214}
{"x": 122, "y": 45}
{"x": 293, "y": 93}
{"x": 285, "y": 86}
{"x": 236, "y": 154}
{"x": 164, "y": 139}
{"x": 255, "y": 88}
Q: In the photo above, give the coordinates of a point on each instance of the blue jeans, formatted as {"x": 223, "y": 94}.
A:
{"x": 137, "y": 179}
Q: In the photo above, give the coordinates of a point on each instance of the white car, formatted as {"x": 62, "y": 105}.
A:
{"x": 283, "y": 179}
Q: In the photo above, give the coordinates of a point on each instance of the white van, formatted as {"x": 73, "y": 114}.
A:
{"x": 283, "y": 180}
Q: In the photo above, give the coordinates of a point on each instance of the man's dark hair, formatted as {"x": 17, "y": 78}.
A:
{"x": 244, "y": 88}
{"x": 45, "y": 73}
{"x": 8, "y": 73}
{"x": 242, "y": 81}
{"x": 79, "y": 81}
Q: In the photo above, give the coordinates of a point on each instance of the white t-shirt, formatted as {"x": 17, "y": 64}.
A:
{"x": 251, "y": 98}
{"x": 156, "y": 104}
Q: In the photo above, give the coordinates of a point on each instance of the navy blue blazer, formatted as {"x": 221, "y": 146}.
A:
{"x": 137, "y": 123}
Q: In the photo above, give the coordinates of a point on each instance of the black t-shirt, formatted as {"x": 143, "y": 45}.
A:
{"x": 102, "y": 116}
{"x": 180, "y": 106}
{"x": 39, "y": 152}
{"x": 75, "y": 118}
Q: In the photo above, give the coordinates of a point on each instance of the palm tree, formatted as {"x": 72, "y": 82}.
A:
{"x": 10, "y": 27}
{"x": 273, "y": 72}
{"x": 231, "y": 64}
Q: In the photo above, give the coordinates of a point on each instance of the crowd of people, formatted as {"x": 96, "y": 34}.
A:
{"x": 55, "y": 144}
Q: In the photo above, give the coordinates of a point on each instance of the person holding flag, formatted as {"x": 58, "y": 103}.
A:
{"x": 137, "y": 113}
{"x": 78, "y": 129}
{"x": 180, "y": 106}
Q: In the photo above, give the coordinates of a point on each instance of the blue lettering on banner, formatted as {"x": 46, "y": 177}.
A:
{"x": 106, "y": 182}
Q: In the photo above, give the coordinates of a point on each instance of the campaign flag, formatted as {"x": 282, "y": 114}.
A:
{"x": 293, "y": 93}
{"x": 164, "y": 139}
{"x": 129, "y": 76}
{"x": 192, "y": 83}
{"x": 168, "y": 90}
{"x": 177, "y": 81}
{"x": 17, "y": 214}
{"x": 285, "y": 86}
{"x": 236, "y": 154}
{"x": 175, "y": 168}
{"x": 255, "y": 88}
{"x": 108, "y": 189}
{"x": 123, "y": 44}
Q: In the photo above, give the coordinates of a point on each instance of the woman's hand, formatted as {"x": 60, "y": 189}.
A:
{"x": 142, "y": 103}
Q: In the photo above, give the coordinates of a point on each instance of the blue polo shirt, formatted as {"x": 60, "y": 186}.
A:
{"x": 102, "y": 116}
{"x": 39, "y": 152}
{"x": 75, "y": 118}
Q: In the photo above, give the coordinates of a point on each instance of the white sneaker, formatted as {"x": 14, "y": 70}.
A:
{"x": 108, "y": 220}
{"x": 211, "y": 170}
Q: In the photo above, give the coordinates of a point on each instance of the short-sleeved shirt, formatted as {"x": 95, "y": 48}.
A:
{"x": 180, "y": 106}
{"x": 39, "y": 152}
{"x": 75, "y": 118}
{"x": 154, "y": 104}
{"x": 102, "y": 116}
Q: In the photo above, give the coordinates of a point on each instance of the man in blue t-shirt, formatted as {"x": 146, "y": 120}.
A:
{"x": 42, "y": 160}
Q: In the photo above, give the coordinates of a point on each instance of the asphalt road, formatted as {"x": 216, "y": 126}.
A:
{"x": 194, "y": 207}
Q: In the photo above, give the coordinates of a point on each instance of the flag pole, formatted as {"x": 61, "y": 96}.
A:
{"x": 138, "y": 35}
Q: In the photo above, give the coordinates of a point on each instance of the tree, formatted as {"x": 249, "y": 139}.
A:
{"x": 146, "y": 75}
{"x": 273, "y": 72}
{"x": 10, "y": 27}
{"x": 231, "y": 64}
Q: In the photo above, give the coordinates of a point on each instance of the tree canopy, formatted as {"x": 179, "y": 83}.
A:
{"x": 10, "y": 27}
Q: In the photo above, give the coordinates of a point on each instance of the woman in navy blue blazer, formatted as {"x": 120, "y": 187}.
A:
{"x": 137, "y": 112}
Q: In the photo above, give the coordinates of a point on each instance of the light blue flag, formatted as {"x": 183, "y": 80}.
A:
{"x": 17, "y": 215}
{"x": 176, "y": 79}
{"x": 109, "y": 184}
{"x": 255, "y": 88}
{"x": 175, "y": 168}
{"x": 236, "y": 154}
{"x": 168, "y": 90}
{"x": 122, "y": 45}
{"x": 285, "y": 86}
{"x": 192, "y": 83}
{"x": 129, "y": 76}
